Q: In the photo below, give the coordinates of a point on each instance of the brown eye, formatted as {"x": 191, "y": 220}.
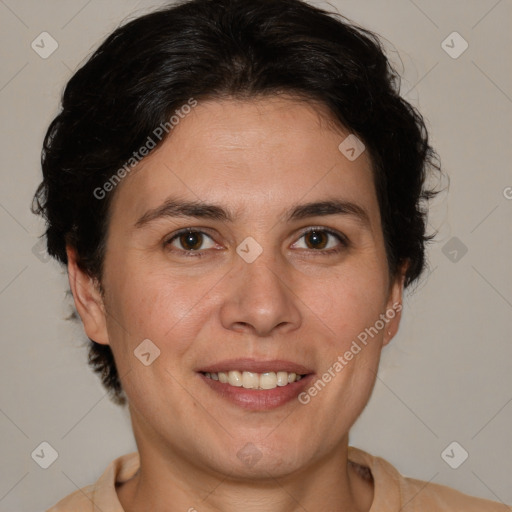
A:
{"x": 189, "y": 241}
{"x": 316, "y": 239}
{"x": 192, "y": 240}
{"x": 323, "y": 241}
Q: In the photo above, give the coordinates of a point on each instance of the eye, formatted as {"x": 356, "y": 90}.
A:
{"x": 191, "y": 241}
{"x": 317, "y": 240}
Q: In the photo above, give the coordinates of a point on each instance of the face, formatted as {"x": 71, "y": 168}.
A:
{"x": 283, "y": 269}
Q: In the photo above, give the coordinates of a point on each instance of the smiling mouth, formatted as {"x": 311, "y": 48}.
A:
{"x": 253, "y": 380}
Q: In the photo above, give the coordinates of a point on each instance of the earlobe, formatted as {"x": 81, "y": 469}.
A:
{"x": 395, "y": 305}
{"x": 394, "y": 314}
{"x": 88, "y": 300}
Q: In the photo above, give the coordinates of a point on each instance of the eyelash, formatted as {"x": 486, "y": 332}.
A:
{"x": 322, "y": 252}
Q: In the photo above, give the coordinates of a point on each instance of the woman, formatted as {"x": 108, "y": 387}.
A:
{"x": 237, "y": 190}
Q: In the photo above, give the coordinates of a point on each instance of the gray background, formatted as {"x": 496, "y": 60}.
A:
{"x": 447, "y": 374}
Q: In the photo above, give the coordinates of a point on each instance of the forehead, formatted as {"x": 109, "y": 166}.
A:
{"x": 253, "y": 154}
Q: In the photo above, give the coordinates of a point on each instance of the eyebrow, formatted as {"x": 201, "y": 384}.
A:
{"x": 174, "y": 207}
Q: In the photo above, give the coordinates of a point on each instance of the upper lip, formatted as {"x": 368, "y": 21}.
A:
{"x": 256, "y": 366}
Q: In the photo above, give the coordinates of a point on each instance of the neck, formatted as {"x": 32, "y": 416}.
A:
{"x": 171, "y": 483}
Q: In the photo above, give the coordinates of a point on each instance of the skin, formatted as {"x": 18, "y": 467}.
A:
{"x": 257, "y": 158}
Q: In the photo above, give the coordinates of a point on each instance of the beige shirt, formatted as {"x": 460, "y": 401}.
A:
{"x": 392, "y": 491}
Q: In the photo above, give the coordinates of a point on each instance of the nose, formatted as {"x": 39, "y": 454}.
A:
{"x": 260, "y": 299}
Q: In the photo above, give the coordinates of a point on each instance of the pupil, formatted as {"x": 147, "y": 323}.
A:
{"x": 316, "y": 235}
{"x": 191, "y": 240}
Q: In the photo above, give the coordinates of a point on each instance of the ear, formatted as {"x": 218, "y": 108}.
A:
{"x": 88, "y": 300}
{"x": 394, "y": 305}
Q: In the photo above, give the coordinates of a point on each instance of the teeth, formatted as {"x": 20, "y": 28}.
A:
{"x": 252, "y": 380}
{"x": 282, "y": 378}
{"x": 234, "y": 378}
{"x": 268, "y": 380}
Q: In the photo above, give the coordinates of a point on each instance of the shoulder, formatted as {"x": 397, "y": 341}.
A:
{"x": 76, "y": 501}
{"x": 420, "y": 495}
{"x": 394, "y": 492}
{"x": 102, "y": 494}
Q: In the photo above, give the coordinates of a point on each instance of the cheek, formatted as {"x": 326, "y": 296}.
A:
{"x": 153, "y": 306}
{"x": 157, "y": 305}
{"x": 350, "y": 301}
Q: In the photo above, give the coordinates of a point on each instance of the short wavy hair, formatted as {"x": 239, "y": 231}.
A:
{"x": 218, "y": 49}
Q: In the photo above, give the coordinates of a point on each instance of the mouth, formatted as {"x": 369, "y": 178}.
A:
{"x": 256, "y": 385}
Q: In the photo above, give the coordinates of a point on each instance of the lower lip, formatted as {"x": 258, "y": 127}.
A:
{"x": 258, "y": 399}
